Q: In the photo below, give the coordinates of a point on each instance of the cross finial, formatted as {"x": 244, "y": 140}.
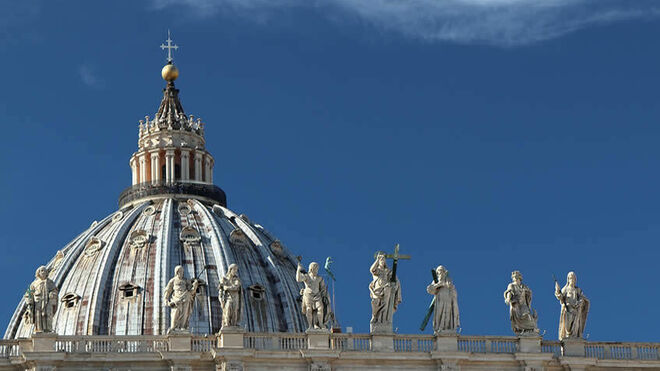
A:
{"x": 169, "y": 47}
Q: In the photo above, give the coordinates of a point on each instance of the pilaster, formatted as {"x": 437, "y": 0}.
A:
{"x": 155, "y": 166}
{"x": 198, "y": 166}
{"x": 185, "y": 164}
{"x": 169, "y": 165}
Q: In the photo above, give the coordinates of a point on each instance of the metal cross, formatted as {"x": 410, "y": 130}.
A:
{"x": 169, "y": 47}
{"x": 395, "y": 260}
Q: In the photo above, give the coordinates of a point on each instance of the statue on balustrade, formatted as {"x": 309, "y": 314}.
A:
{"x": 41, "y": 299}
{"x": 315, "y": 298}
{"x": 180, "y": 296}
{"x": 519, "y": 298}
{"x": 385, "y": 292}
{"x": 574, "y": 308}
{"x": 231, "y": 297}
{"x": 445, "y": 317}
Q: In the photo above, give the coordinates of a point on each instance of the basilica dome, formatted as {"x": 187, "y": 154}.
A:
{"x": 112, "y": 277}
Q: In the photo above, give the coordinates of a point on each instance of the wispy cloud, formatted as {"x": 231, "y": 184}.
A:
{"x": 495, "y": 22}
{"x": 89, "y": 77}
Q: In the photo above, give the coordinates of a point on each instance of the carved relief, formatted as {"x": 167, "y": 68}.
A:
{"x": 149, "y": 210}
{"x": 190, "y": 235}
{"x": 319, "y": 366}
{"x": 184, "y": 209}
{"x": 278, "y": 249}
{"x": 70, "y": 300}
{"x": 139, "y": 238}
{"x": 119, "y": 215}
{"x": 94, "y": 244}
{"x": 217, "y": 210}
{"x": 238, "y": 238}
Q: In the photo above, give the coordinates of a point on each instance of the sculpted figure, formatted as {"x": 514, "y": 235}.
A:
{"x": 574, "y": 308}
{"x": 231, "y": 297}
{"x": 385, "y": 293}
{"x": 519, "y": 298}
{"x": 41, "y": 301}
{"x": 315, "y": 298}
{"x": 180, "y": 296}
{"x": 445, "y": 317}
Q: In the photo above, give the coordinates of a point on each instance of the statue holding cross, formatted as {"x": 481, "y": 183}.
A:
{"x": 385, "y": 290}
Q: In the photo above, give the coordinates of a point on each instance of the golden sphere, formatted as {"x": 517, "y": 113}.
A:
{"x": 169, "y": 72}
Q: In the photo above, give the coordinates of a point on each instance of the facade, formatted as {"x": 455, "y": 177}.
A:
{"x": 110, "y": 287}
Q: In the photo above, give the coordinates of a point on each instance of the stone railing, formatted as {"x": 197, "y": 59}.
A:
{"x": 9, "y": 348}
{"x": 622, "y": 351}
{"x": 111, "y": 344}
{"x": 488, "y": 344}
{"x": 339, "y": 342}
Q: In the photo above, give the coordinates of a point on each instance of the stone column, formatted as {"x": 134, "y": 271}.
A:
{"x": 207, "y": 169}
{"x": 169, "y": 167}
{"x": 134, "y": 171}
{"x": 185, "y": 164}
{"x": 198, "y": 166}
{"x": 155, "y": 167}
{"x": 143, "y": 167}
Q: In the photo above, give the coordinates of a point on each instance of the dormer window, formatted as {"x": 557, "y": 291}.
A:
{"x": 94, "y": 244}
{"x": 70, "y": 300}
{"x": 238, "y": 238}
{"x": 129, "y": 290}
{"x": 184, "y": 209}
{"x": 257, "y": 292}
{"x": 139, "y": 238}
{"x": 190, "y": 235}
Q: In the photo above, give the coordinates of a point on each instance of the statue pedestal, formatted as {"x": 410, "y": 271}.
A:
{"x": 446, "y": 342}
{"x": 572, "y": 347}
{"x": 231, "y": 337}
{"x": 43, "y": 341}
{"x": 180, "y": 341}
{"x": 382, "y": 342}
{"x": 318, "y": 339}
{"x": 529, "y": 344}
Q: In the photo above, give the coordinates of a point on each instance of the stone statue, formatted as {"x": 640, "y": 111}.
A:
{"x": 315, "y": 298}
{"x": 180, "y": 296}
{"x": 231, "y": 297}
{"x": 519, "y": 298}
{"x": 574, "y": 309}
{"x": 445, "y": 318}
{"x": 385, "y": 295}
{"x": 42, "y": 301}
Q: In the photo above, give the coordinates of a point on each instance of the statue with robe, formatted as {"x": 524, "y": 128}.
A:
{"x": 180, "y": 296}
{"x": 445, "y": 307}
{"x": 519, "y": 298}
{"x": 42, "y": 301}
{"x": 385, "y": 294}
{"x": 231, "y": 297}
{"x": 574, "y": 309}
{"x": 315, "y": 297}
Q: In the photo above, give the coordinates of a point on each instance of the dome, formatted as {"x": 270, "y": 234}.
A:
{"x": 112, "y": 277}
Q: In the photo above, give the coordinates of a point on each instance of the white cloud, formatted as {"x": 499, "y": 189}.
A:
{"x": 89, "y": 77}
{"x": 496, "y": 22}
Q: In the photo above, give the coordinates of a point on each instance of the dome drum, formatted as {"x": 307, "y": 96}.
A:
{"x": 208, "y": 192}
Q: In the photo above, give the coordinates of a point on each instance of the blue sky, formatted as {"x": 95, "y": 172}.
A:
{"x": 484, "y": 135}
